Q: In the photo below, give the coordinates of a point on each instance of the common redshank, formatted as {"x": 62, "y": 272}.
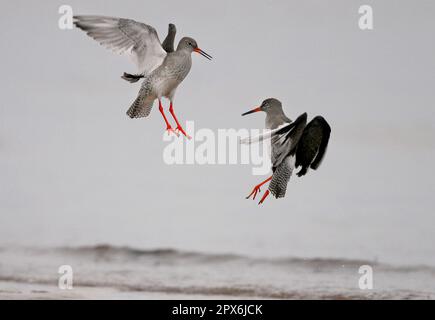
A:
{"x": 293, "y": 144}
{"x": 162, "y": 68}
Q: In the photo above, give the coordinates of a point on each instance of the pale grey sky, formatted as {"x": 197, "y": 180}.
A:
{"x": 76, "y": 170}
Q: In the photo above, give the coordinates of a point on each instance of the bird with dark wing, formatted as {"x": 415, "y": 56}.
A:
{"x": 294, "y": 144}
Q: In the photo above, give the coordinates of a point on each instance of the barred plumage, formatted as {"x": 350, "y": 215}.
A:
{"x": 143, "y": 104}
{"x": 281, "y": 177}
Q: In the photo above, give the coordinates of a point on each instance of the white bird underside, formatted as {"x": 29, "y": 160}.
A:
{"x": 137, "y": 40}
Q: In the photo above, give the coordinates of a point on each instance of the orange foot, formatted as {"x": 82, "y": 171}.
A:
{"x": 169, "y": 130}
{"x": 257, "y": 189}
{"x": 264, "y": 197}
{"x": 254, "y": 192}
{"x": 180, "y": 129}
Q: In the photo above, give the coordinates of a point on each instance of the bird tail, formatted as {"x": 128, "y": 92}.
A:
{"x": 141, "y": 107}
{"x": 132, "y": 78}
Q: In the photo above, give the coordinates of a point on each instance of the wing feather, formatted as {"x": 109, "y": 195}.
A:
{"x": 267, "y": 134}
{"x": 285, "y": 140}
{"x": 313, "y": 144}
{"x": 139, "y": 40}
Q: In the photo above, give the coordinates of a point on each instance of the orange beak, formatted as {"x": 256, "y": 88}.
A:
{"x": 203, "y": 53}
{"x": 252, "y": 111}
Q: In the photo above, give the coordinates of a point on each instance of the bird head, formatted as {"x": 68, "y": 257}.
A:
{"x": 268, "y": 105}
{"x": 190, "y": 44}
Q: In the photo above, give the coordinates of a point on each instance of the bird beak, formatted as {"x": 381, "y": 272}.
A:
{"x": 203, "y": 53}
{"x": 252, "y": 111}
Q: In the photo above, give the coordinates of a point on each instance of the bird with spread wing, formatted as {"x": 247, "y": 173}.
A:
{"x": 160, "y": 66}
{"x": 294, "y": 144}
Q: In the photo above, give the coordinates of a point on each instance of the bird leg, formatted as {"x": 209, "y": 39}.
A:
{"x": 257, "y": 189}
{"x": 168, "y": 126}
{"x": 179, "y": 127}
{"x": 264, "y": 197}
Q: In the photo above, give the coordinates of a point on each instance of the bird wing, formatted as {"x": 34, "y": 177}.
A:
{"x": 266, "y": 134}
{"x": 168, "y": 43}
{"x": 285, "y": 140}
{"x": 139, "y": 40}
{"x": 312, "y": 145}
{"x": 284, "y": 143}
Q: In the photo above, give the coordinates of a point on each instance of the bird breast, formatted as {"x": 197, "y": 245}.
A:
{"x": 171, "y": 73}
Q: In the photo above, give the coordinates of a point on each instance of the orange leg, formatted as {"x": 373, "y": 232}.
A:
{"x": 168, "y": 126}
{"x": 264, "y": 197}
{"x": 179, "y": 127}
{"x": 257, "y": 189}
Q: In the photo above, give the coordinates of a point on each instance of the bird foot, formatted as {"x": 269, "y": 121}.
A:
{"x": 180, "y": 129}
{"x": 254, "y": 192}
{"x": 257, "y": 190}
{"x": 169, "y": 130}
{"x": 264, "y": 197}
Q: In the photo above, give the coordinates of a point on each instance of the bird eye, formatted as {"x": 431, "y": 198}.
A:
{"x": 190, "y": 44}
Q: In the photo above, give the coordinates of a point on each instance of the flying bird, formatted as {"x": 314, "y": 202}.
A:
{"x": 294, "y": 144}
{"x": 160, "y": 66}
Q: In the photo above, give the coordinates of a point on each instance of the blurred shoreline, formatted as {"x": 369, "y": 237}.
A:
{"x": 111, "y": 272}
{"x": 12, "y": 290}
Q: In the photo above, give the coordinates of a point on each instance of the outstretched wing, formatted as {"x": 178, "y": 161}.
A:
{"x": 312, "y": 146}
{"x": 139, "y": 40}
{"x": 266, "y": 134}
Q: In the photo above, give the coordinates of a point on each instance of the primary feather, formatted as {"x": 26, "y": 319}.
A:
{"x": 138, "y": 40}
